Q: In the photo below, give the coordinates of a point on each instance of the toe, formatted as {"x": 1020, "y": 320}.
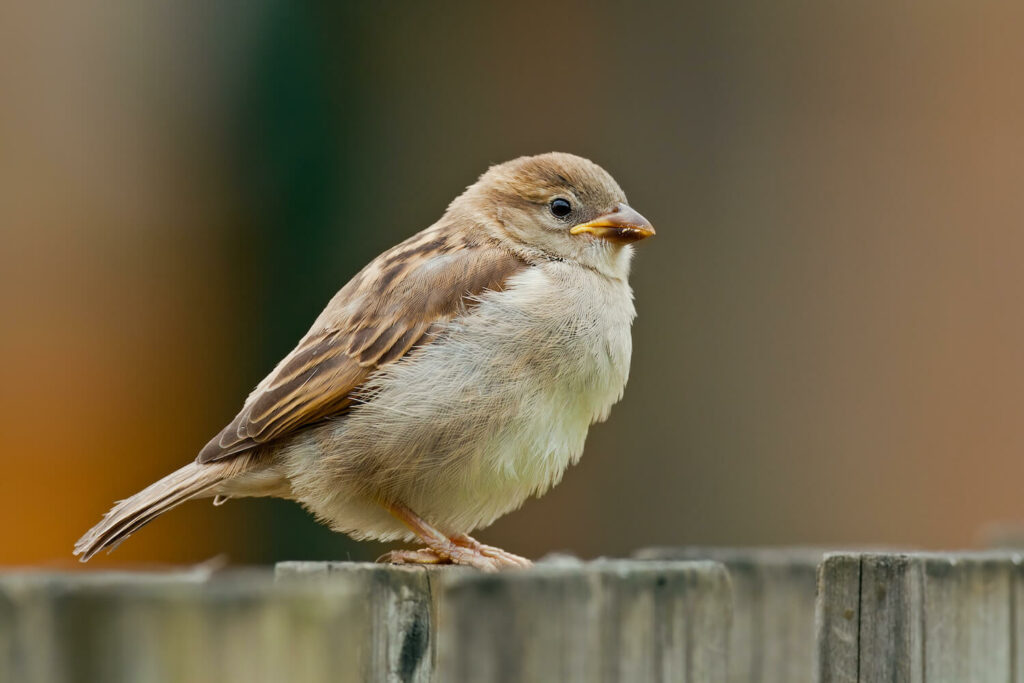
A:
{"x": 422, "y": 556}
{"x": 505, "y": 558}
{"x": 464, "y": 541}
{"x": 500, "y": 557}
{"x": 473, "y": 558}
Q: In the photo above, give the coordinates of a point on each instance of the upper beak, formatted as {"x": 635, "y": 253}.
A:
{"x": 623, "y": 224}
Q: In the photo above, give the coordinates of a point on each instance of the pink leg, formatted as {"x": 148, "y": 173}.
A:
{"x": 440, "y": 549}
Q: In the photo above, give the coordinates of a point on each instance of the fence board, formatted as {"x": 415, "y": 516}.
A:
{"x": 773, "y": 617}
{"x": 80, "y": 627}
{"x": 615, "y": 621}
{"x": 919, "y": 617}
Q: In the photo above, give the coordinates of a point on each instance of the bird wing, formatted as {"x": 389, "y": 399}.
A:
{"x": 385, "y": 311}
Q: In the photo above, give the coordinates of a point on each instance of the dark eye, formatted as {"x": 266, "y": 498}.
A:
{"x": 561, "y": 207}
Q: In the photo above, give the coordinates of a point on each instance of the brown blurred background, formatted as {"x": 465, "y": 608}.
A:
{"x": 830, "y": 343}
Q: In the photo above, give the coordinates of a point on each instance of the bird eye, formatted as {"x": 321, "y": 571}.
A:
{"x": 560, "y": 207}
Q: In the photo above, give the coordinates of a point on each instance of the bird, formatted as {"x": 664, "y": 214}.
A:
{"x": 454, "y": 377}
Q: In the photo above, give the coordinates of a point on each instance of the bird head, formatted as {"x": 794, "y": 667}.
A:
{"x": 560, "y": 205}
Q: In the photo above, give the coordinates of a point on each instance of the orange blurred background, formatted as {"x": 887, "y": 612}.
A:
{"x": 830, "y": 342}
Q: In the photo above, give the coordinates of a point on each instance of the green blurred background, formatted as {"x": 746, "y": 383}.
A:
{"x": 830, "y": 342}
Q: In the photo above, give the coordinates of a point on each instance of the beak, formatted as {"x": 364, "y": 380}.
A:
{"x": 622, "y": 225}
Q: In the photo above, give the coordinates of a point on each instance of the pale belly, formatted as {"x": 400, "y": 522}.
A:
{"x": 477, "y": 422}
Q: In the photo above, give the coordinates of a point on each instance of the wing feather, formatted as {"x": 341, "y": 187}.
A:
{"x": 391, "y": 307}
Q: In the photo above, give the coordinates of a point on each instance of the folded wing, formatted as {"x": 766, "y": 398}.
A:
{"x": 395, "y": 304}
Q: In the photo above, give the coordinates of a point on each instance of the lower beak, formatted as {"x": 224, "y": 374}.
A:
{"x": 621, "y": 225}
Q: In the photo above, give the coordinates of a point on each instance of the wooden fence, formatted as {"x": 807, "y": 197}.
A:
{"x": 691, "y": 615}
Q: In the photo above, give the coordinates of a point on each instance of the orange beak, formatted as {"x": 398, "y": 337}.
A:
{"x": 622, "y": 225}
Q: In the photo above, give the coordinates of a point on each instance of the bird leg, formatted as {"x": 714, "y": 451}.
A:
{"x": 506, "y": 558}
{"x": 441, "y": 549}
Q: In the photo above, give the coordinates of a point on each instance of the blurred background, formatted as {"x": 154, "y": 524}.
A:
{"x": 830, "y": 342}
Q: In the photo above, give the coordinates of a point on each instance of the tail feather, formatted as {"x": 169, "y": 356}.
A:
{"x": 131, "y": 514}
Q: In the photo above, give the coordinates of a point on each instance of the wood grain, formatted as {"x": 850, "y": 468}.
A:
{"x": 919, "y": 618}
{"x": 773, "y": 629}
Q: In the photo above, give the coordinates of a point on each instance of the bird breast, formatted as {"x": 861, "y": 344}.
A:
{"x": 494, "y": 410}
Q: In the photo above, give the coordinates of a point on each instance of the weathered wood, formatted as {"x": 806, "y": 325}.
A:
{"x": 563, "y": 620}
{"x": 44, "y": 634}
{"x": 837, "y": 620}
{"x": 237, "y": 626}
{"x": 969, "y": 624}
{"x": 396, "y": 626}
{"x": 890, "y": 619}
{"x": 606, "y": 621}
{"x": 894, "y": 617}
{"x": 940, "y": 618}
{"x": 601, "y": 621}
{"x": 773, "y": 617}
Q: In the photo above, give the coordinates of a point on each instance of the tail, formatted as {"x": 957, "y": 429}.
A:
{"x": 128, "y": 516}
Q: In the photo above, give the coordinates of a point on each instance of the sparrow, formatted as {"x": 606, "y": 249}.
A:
{"x": 451, "y": 379}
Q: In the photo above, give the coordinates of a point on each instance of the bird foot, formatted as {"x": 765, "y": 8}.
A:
{"x": 506, "y": 559}
{"x": 461, "y": 550}
{"x": 444, "y": 549}
{"x": 449, "y": 555}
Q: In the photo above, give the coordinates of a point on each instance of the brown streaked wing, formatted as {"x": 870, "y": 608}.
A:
{"x": 385, "y": 311}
